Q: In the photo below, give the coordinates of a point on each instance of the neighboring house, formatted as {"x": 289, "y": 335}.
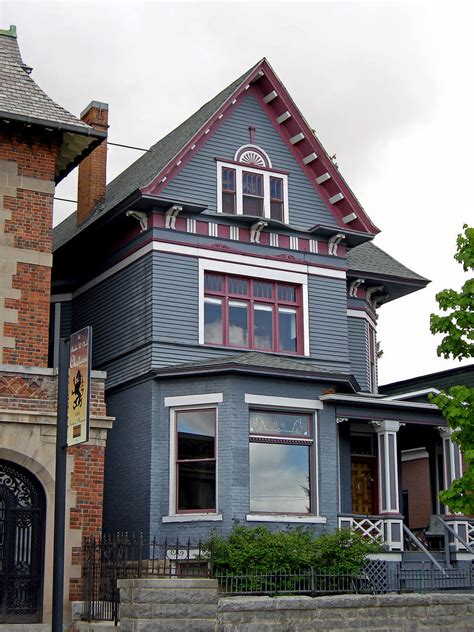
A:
{"x": 422, "y": 466}
{"x": 40, "y": 143}
{"x": 232, "y": 285}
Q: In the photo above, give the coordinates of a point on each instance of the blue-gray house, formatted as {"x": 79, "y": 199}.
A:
{"x": 232, "y": 285}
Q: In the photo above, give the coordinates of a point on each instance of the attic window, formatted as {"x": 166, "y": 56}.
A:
{"x": 249, "y": 185}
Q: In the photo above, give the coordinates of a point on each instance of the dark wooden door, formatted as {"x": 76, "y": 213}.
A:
{"x": 364, "y": 486}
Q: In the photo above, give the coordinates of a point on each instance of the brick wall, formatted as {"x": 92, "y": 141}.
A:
{"x": 27, "y": 167}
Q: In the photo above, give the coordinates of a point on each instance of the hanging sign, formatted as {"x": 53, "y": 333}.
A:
{"x": 79, "y": 387}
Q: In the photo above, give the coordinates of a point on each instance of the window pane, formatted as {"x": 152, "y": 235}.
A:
{"x": 263, "y": 326}
{"x": 228, "y": 202}
{"x": 213, "y": 282}
{"x": 228, "y": 179}
{"x": 252, "y": 184}
{"x": 289, "y": 424}
{"x": 196, "y": 429}
{"x": 213, "y": 320}
{"x": 287, "y": 329}
{"x": 279, "y": 478}
{"x": 196, "y": 485}
{"x": 238, "y": 324}
{"x": 287, "y": 293}
{"x": 238, "y": 286}
{"x": 252, "y": 205}
{"x": 262, "y": 289}
{"x": 276, "y": 210}
{"x": 276, "y": 188}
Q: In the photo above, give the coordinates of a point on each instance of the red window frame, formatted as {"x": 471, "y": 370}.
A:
{"x": 207, "y": 460}
{"x": 229, "y": 191}
{"x": 252, "y": 195}
{"x": 275, "y": 200}
{"x": 248, "y": 298}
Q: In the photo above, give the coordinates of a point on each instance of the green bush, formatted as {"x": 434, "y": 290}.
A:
{"x": 262, "y": 551}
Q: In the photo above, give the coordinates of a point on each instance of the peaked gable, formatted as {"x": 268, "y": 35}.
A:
{"x": 300, "y": 138}
{"x": 197, "y": 180}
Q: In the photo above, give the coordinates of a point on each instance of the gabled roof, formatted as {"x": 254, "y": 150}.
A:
{"x": 164, "y": 159}
{"x": 459, "y": 376}
{"x": 23, "y": 101}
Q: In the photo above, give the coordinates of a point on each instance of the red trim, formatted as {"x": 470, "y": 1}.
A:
{"x": 201, "y": 228}
{"x": 223, "y": 231}
{"x": 250, "y": 301}
{"x": 294, "y": 125}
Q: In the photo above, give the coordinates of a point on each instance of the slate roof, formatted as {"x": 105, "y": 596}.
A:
{"x": 20, "y": 96}
{"x": 143, "y": 170}
{"x": 369, "y": 258}
{"x": 23, "y": 101}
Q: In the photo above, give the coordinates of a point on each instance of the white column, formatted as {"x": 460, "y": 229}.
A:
{"x": 452, "y": 469}
{"x": 389, "y": 502}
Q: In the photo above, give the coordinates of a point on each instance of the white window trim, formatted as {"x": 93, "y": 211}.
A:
{"x": 173, "y": 516}
{"x": 194, "y": 400}
{"x": 308, "y": 405}
{"x": 239, "y": 169}
{"x": 208, "y": 265}
{"x": 302, "y": 519}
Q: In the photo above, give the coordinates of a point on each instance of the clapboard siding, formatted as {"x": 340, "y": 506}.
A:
{"x": 175, "y": 297}
{"x": 119, "y": 311}
{"x": 198, "y": 179}
{"x": 359, "y": 351}
{"x": 328, "y": 319}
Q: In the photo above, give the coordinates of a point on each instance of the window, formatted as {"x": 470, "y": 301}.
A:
{"x": 195, "y": 456}
{"x": 228, "y": 190}
{"x": 252, "y": 313}
{"x": 249, "y": 185}
{"x": 280, "y": 462}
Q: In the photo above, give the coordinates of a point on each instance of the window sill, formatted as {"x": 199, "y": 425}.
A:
{"x": 301, "y": 519}
{"x": 193, "y": 517}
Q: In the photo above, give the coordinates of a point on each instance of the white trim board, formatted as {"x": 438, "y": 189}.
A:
{"x": 358, "y": 313}
{"x": 283, "y": 402}
{"x": 194, "y": 400}
{"x": 303, "y": 519}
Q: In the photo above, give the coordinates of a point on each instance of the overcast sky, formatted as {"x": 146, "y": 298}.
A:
{"x": 386, "y": 86}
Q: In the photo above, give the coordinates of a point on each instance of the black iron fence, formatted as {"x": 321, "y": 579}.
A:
{"x": 124, "y": 556}
{"x": 127, "y": 556}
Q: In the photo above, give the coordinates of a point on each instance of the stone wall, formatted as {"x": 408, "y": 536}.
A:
{"x": 193, "y": 604}
{"x": 379, "y": 613}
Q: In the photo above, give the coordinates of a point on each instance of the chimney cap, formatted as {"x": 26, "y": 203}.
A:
{"x": 99, "y": 105}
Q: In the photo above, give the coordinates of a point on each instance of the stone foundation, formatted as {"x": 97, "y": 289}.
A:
{"x": 193, "y": 605}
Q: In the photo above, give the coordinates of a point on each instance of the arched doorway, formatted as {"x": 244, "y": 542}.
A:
{"x": 22, "y": 516}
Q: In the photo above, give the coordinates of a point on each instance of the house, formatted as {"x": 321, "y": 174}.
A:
{"x": 40, "y": 143}
{"x": 232, "y": 284}
{"x": 419, "y": 484}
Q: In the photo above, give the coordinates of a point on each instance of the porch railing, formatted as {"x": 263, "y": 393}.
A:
{"x": 369, "y": 526}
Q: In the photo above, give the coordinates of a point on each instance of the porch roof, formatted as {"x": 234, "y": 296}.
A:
{"x": 370, "y": 408}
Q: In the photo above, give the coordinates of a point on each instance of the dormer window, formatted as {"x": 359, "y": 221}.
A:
{"x": 249, "y": 185}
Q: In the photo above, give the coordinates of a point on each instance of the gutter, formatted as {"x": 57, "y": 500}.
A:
{"x": 373, "y": 401}
{"x": 64, "y": 127}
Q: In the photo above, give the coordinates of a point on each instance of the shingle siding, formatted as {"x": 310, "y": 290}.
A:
{"x": 198, "y": 179}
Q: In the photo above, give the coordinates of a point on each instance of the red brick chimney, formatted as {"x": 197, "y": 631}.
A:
{"x": 92, "y": 170}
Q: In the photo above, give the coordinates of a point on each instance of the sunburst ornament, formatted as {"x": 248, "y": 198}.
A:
{"x": 252, "y": 155}
{"x": 252, "y": 158}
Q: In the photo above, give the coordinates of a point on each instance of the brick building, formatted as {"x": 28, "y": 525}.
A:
{"x": 40, "y": 143}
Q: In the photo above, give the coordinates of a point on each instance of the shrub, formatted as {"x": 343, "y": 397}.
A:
{"x": 260, "y": 550}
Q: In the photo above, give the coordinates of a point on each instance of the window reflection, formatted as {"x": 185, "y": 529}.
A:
{"x": 263, "y": 326}
{"x": 287, "y": 329}
{"x": 238, "y": 324}
{"x": 213, "y": 320}
{"x": 279, "y": 478}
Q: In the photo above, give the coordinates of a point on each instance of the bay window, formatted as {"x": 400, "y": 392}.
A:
{"x": 252, "y": 314}
{"x": 280, "y": 462}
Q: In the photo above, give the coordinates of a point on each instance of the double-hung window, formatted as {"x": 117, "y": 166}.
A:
{"x": 195, "y": 466}
{"x": 252, "y": 313}
{"x": 249, "y": 185}
{"x": 281, "y": 445}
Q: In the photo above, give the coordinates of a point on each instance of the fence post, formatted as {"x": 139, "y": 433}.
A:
{"x": 313, "y": 587}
